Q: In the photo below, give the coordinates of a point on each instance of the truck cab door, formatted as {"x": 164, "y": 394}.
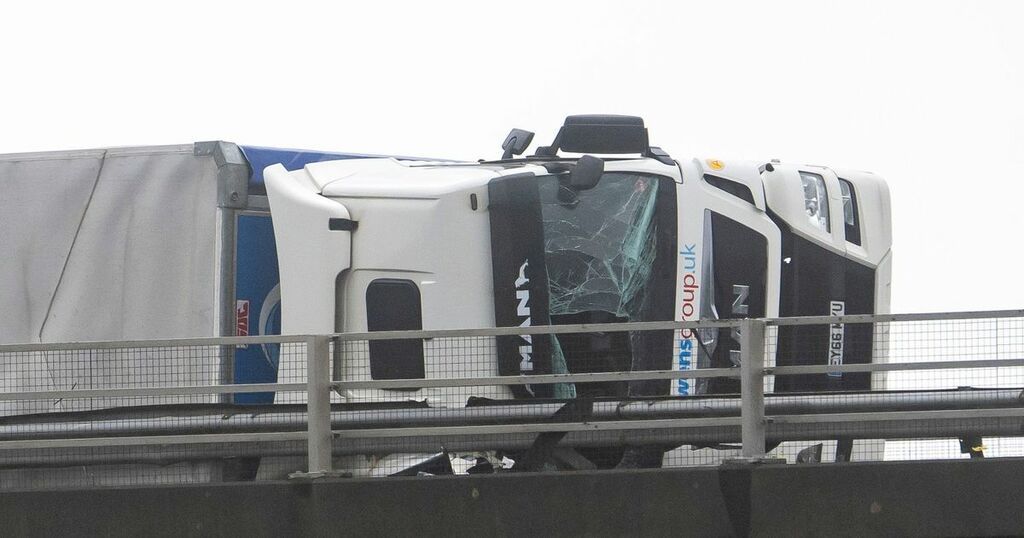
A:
{"x": 729, "y": 264}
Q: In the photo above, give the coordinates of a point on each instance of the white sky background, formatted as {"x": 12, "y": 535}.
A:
{"x": 930, "y": 95}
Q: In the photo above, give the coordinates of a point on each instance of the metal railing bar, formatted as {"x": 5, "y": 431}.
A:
{"x": 378, "y": 335}
{"x": 153, "y": 391}
{"x": 205, "y": 438}
{"x": 506, "y": 331}
{"x": 514, "y": 429}
{"x": 374, "y": 384}
{"x": 887, "y": 318}
{"x": 489, "y": 429}
{"x": 506, "y": 380}
{"x": 537, "y": 329}
{"x": 882, "y": 416}
{"x": 892, "y": 366}
{"x": 752, "y": 355}
{"x": 594, "y": 377}
{"x": 210, "y": 341}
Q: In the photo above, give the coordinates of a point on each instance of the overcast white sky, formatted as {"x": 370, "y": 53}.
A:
{"x": 927, "y": 94}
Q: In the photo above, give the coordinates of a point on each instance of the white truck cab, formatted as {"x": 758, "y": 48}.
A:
{"x": 384, "y": 244}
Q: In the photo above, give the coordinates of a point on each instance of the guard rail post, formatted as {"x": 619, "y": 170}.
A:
{"x": 752, "y": 423}
{"x": 318, "y": 404}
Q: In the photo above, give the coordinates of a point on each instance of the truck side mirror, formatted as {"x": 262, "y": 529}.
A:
{"x": 516, "y": 143}
{"x": 586, "y": 173}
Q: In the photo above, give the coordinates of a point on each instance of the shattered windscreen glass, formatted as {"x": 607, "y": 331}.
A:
{"x": 599, "y": 244}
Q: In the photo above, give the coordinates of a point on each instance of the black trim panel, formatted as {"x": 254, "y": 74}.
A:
{"x": 740, "y": 268}
{"x": 342, "y": 225}
{"x": 852, "y": 230}
{"x": 813, "y": 278}
{"x": 394, "y": 305}
{"x": 734, "y": 188}
{"x": 520, "y": 279}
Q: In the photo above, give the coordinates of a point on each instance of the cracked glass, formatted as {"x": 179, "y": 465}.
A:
{"x": 599, "y": 244}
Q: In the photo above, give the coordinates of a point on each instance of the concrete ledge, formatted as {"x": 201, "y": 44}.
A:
{"x": 963, "y": 497}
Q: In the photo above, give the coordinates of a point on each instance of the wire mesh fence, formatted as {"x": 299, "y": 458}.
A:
{"x": 986, "y": 346}
{"x": 514, "y": 399}
{"x": 85, "y": 415}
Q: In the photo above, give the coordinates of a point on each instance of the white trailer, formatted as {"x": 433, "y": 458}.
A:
{"x": 140, "y": 243}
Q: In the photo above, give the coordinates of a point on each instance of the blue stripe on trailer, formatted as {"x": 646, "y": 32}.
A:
{"x": 294, "y": 159}
{"x": 257, "y": 304}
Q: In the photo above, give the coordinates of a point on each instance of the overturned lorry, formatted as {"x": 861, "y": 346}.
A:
{"x": 388, "y": 244}
{"x": 218, "y": 239}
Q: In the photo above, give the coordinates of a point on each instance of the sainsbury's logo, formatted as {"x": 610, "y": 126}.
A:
{"x": 242, "y": 318}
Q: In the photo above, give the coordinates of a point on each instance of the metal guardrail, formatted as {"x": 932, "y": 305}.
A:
{"x": 756, "y": 425}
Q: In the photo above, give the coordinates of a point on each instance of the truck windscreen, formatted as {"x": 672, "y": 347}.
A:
{"x": 599, "y": 244}
{"x": 598, "y": 255}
